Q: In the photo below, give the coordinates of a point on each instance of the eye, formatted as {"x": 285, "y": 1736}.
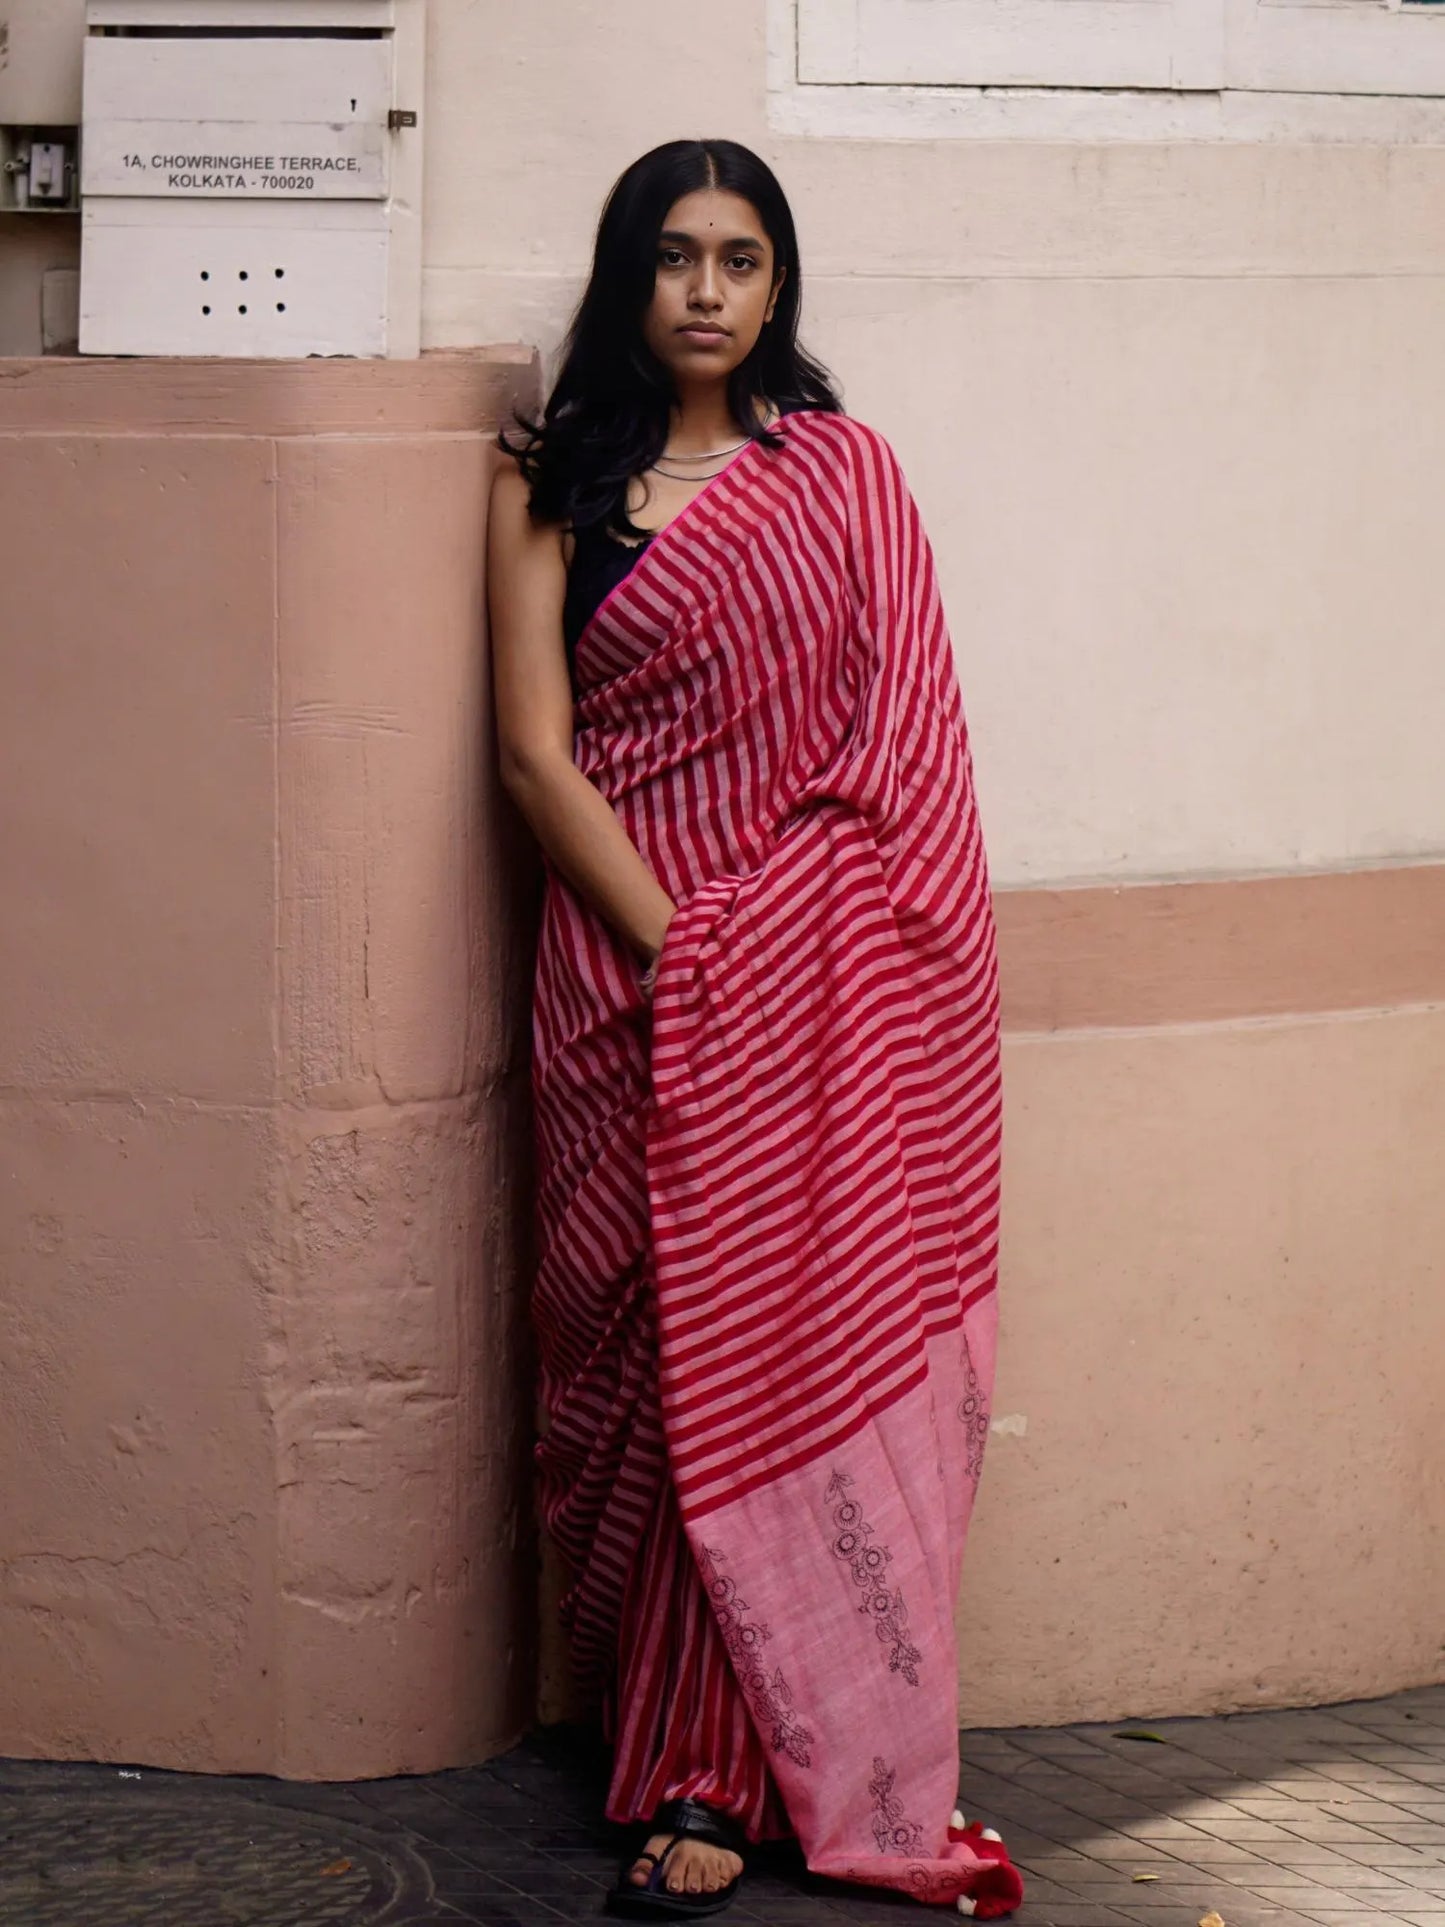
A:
{"x": 670, "y": 257}
{"x": 743, "y": 261}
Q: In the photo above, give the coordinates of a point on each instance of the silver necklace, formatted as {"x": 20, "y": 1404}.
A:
{"x": 699, "y": 475}
{"x": 660, "y": 466}
{"x": 709, "y": 455}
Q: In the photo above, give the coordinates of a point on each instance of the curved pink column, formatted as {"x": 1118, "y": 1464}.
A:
{"x": 263, "y": 1472}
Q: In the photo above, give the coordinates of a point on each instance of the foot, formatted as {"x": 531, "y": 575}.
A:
{"x": 693, "y": 1866}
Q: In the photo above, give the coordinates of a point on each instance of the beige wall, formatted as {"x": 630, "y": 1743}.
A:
{"x": 1166, "y": 407}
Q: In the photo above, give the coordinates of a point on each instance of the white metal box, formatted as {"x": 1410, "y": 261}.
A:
{"x": 251, "y": 177}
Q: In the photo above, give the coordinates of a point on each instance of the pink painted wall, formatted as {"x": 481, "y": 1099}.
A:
{"x": 265, "y": 965}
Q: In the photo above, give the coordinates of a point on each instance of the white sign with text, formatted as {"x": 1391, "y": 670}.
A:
{"x": 229, "y": 118}
{"x": 200, "y": 157}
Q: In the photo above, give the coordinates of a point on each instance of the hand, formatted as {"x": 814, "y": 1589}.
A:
{"x": 649, "y": 975}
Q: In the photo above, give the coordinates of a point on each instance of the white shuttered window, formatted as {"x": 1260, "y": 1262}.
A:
{"x": 1336, "y": 47}
{"x": 1011, "y": 43}
{"x": 1266, "y": 46}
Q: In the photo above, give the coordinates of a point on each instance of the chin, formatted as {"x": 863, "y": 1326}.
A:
{"x": 703, "y": 361}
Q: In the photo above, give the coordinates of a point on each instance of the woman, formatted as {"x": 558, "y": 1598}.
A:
{"x": 765, "y": 1063}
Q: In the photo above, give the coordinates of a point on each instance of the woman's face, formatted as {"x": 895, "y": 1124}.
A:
{"x": 716, "y": 286}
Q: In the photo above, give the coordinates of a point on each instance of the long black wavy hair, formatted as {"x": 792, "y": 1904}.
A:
{"x": 608, "y": 414}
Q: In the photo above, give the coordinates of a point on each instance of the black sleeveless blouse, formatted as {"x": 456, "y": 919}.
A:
{"x": 599, "y": 562}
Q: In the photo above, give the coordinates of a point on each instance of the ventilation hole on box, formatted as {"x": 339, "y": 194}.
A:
{"x": 279, "y": 273}
{"x": 280, "y": 307}
{"x": 244, "y": 275}
{"x": 241, "y": 309}
{"x": 205, "y": 274}
{"x": 205, "y": 311}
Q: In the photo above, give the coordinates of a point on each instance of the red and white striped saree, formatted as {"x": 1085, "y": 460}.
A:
{"x": 768, "y": 1201}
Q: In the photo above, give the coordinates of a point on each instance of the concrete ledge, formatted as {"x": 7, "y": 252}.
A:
{"x": 457, "y": 390}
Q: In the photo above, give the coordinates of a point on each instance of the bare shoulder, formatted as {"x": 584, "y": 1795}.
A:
{"x": 509, "y": 490}
{"x": 509, "y": 513}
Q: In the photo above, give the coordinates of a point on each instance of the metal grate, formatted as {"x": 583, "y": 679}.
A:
{"x": 78, "y": 1860}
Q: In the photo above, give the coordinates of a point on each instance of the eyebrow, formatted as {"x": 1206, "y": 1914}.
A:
{"x": 738, "y": 241}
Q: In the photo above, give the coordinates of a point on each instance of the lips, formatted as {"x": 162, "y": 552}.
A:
{"x": 703, "y": 332}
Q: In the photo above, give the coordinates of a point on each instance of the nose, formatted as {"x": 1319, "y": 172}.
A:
{"x": 705, "y": 293}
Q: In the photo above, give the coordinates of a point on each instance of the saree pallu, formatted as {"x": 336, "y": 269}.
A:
{"x": 768, "y": 1201}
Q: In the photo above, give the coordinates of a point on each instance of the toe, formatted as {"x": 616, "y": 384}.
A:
{"x": 641, "y": 1871}
{"x": 690, "y": 1874}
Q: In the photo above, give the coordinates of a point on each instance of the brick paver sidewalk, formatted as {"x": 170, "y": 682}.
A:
{"x": 1326, "y": 1818}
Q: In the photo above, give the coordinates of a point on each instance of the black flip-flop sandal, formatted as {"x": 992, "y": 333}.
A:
{"x": 684, "y": 1820}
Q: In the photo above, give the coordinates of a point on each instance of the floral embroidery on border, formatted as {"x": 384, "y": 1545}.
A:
{"x": 893, "y": 1832}
{"x": 771, "y": 1698}
{"x": 973, "y": 1412}
{"x": 883, "y": 1604}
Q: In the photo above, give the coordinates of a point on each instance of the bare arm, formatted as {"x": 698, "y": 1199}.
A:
{"x": 570, "y": 817}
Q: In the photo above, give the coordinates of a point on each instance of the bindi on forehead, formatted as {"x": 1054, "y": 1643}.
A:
{"x": 681, "y": 238}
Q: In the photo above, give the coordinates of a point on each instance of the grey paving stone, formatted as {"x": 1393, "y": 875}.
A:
{"x": 1243, "y": 1830}
{"x": 1305, "y": 1853}
{"x": 1333, "y": 1917}
{"x": 1091, "y": 1876}
{"x": 1200, "y": 1808}
{"x": 1271, "y": 1808}
{"x": 1307, "y": 1899}
{"x": 1209, "y": 1852}
{"x": 1378, "y": 1880}
{"x": 1082, "y": 1914}
{"x": 1365, "y": 1813}
{"x": 1190, "y": 1888}
{"x": 1136, "y": 1854}
{"x": 496, "y": 1912}
{"x": 792, "y": 1911}
{"x": 1061, "y": 1866}
{"x": 1333, "y": 1831}
{"x": 1097, "y": 1804}
{"x": 1332, "y": 1817}
{"x": 1260, "y": 1915}
{"x": 1252, "y": 1879}
{"x": 1164, "y": 1830}
{"x": 1058, "y": 1742}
